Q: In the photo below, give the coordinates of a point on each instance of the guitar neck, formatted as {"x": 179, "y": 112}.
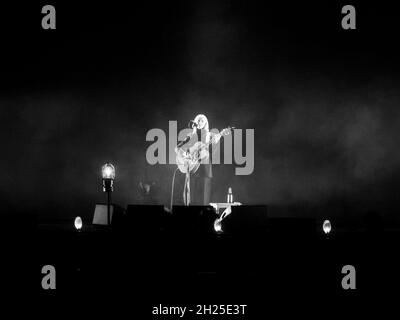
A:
{"x": 210, "y": 142}
{"x": 222, "y": 133}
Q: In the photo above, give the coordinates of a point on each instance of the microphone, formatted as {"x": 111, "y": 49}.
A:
{"x": 181, "y": 143}
{"x": 192, "y": 124}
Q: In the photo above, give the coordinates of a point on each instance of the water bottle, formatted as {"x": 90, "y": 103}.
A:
{"x": 230, "y": 196}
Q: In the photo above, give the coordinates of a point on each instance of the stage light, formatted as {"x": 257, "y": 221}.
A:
{"x": 78, "y": 223}
{"x": 218, "y": 225}
{"x": 108, "y": 171}
{"x": 327, "y": 227}
{"x": 108, "y": 174}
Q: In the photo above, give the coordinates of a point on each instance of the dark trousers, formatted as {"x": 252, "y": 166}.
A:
{"x": 200, "y": 190}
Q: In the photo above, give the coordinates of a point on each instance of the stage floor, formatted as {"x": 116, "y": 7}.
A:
{"x": 144, "y": 269}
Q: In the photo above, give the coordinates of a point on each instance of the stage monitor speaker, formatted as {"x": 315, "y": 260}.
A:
{"x": 193, "y": 219}
{"x": 145, "y": 219}
{"x": 246, "y": 220}
{"x": 100, "y": 214}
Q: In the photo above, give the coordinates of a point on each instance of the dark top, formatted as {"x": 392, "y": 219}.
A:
{"x": 205, "y": 169}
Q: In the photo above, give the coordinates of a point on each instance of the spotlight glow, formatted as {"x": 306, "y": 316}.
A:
{"x": 327, "y": 227}
{"x": 78, "y": 223}
{"x": 108, "y": 171}
{"x": 218, "y": 225}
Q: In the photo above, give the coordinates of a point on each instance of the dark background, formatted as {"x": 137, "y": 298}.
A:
{"x": 324, "y": 102}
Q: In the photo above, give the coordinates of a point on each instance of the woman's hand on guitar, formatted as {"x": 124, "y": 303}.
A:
{"x": 203, "y": 154}
{"x": 216, "y": 138}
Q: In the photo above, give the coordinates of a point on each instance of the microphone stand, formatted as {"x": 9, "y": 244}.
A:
{"x": 172, "y": 190}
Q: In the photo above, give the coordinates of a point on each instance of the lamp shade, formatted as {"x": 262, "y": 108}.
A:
{"x": 108, "y": 171}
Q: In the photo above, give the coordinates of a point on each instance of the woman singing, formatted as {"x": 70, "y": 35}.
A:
{"x": 200, "y": 181}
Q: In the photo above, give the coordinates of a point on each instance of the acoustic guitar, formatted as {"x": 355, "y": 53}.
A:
{"x": 189, "y": 160}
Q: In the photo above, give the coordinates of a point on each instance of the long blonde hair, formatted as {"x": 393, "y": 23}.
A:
{"x": 206, "y": 125}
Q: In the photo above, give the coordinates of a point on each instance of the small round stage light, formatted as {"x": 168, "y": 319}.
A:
{"x": 78, "y": 223}
{"x": 218, "y": 225}
{"x": 327, "y": 227}
{"x": 108, "y": 171}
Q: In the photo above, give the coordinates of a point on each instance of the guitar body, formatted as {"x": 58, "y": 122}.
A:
{"x": 189, "y": 160}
